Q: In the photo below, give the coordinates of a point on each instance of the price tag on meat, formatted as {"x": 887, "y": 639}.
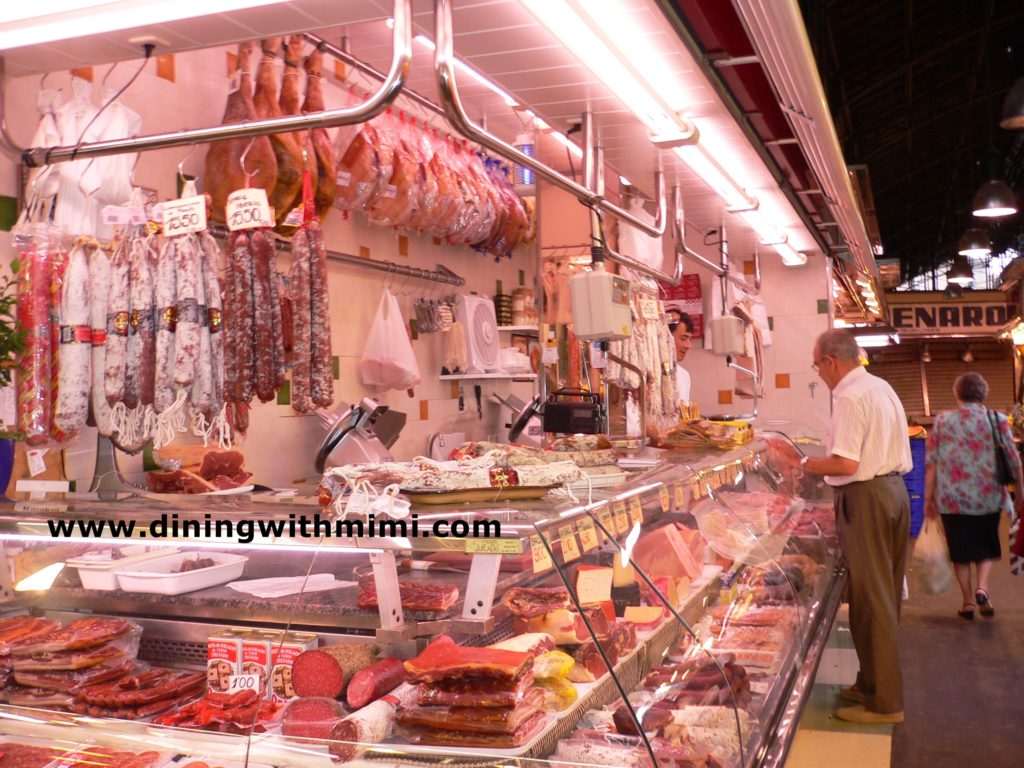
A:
{"x": 570, "y": 549}
{"x": 680, "y": 495}
{"x": 695, "y": 490}
{"x": 248, "y": 209}
{"x": 541, "y": 556}
{"x": 244, "y": 683}
{"x": 663, "y": 496}
{"x": 185, "y": 215}
{"x": 621, "y": 517}
{"x": 636, "y": 510}
{"x": 588, "y": 534}
{"x": 493, "y": 547}
{"x": 605, "y": 516}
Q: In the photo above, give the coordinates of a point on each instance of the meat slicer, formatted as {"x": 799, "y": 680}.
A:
{"x": 361, "y": 435}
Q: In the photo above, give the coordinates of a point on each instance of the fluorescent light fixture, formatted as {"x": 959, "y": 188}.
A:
{"x": 609, "y": 40}
{"x": 616, "y": 60}
{"x": 561, "y": 138}
{"x": 625, "y": 182}
{"x": 878, "y": 340}
{"x": 41, "y": 579}
{"x": 486, "y": 82}
{"x": 716, "y": 177}
{"x": 48, "y": 21}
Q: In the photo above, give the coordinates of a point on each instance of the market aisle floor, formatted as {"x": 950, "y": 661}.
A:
{"x": 962, "y": 679}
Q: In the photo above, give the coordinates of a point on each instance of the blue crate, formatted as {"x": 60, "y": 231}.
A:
{"x": 914, "y": 480}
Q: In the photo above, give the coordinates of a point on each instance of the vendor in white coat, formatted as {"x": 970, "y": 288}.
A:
{"x": 681, "y": 326}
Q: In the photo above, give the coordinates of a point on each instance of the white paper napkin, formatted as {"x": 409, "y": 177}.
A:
{"x": 289, "y": 585}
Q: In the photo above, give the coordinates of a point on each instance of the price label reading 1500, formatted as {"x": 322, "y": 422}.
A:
{"x": 185, "y": 215}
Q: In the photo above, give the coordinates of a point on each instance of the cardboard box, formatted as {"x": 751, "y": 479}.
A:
{"x": 223, "y": 658}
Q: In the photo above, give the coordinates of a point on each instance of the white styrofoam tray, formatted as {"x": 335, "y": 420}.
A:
{"x": 97, "y": 569}
{"x": 158, "y": 576}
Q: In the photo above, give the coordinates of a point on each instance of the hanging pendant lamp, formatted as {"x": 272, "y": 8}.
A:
{"x": 974, "y": 242}
{"x": 1013, "y": 107}
{"x": 960, "y": 272}
{"x": 994, "y": 199}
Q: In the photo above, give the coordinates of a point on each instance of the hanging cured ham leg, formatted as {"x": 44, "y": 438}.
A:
{"x": 291, "y": 103}
{"x": 326, "y": 160}
{"x": 224, "y": 174}
{"x": 286, "y": 150}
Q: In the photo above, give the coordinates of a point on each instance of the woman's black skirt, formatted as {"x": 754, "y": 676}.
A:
{"x": 972, "y": 538}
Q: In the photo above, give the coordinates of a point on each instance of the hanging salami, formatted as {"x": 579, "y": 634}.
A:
{"x": 75, "y": 351}
{"x": 302, "y": 344}
{"x": 99, "y": 293}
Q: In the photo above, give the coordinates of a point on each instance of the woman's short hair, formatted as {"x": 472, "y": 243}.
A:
{"x": 970, "y": 388}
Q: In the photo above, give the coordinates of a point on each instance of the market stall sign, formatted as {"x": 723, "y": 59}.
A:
{"x": 494, "y": 546}
{"x": 981, "y": 318}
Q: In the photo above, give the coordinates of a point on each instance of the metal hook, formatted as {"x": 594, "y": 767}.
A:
{"x": 181, "y": 165}
{"x": 242, "y": 159}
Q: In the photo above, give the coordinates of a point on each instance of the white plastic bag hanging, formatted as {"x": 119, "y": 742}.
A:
{"x": 931, "y": 560}
{"x": 388, "y": 360}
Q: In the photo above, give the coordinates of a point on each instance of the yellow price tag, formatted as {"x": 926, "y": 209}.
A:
{"x": 636, "y": 510}
{"x": 621, "y": 518}
{"x": 570, "y": 549}
{"x": 680, "y": 495}
{"x": 493, "y": 546}
{"x": 695, "y": 489}
{"x": 664, "y": 497}
{"x": 605, "y": 516}
{"x": 541, "y": 558}
{"x": 588, "y": 534}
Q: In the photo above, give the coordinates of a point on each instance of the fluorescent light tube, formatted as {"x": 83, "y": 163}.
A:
{"x": 48, "y": 21}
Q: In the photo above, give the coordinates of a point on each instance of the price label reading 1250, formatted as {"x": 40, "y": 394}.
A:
{"x": 185, "y": 215}
{"x": 244, "y": 683}
{"x": 248, "y": 209}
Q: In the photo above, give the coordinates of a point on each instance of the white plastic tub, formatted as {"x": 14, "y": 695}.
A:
{"x": 159, "y": 577}
{"x": 97, "y": 569}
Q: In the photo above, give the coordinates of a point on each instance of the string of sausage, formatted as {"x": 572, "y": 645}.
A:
{"x": 99, "y": 295}
{"x": 320, "y": 318}
{"x": 75, "y": 344}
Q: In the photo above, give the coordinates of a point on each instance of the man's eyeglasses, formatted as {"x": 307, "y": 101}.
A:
{"x": 816, "y": 365}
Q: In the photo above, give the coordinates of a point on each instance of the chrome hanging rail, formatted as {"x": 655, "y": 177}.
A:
{"x": 374, "y": 105}
{"x": 444, "y": 66}
{"x": 593, "y": 176}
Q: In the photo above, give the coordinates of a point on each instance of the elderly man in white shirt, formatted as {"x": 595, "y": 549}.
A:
{"x": 868, "y": 451}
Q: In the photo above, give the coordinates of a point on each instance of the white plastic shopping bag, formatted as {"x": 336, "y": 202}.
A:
{"x": 388, "y": 360}
{"x": 931, "y": 560}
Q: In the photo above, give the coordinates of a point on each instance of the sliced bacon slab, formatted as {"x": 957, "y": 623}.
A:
{"x": 83, "y": 633}
{"x": 23, "y": 629}
{"x": 444, "y": 660}
{"x": 474, "y": 719}
{"x": 68, "y": 660}
{"x": 69, "y": 680}
{"x": 144, "y": 688}
{"x": 474, "y": 692}
{"x": 440, "y": 738}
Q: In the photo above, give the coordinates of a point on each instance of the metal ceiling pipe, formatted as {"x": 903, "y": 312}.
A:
{"x": 444, "y": 66}
{"x": 374, "y": 105}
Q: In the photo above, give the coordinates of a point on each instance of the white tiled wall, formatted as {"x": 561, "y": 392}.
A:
{"x": 791, "y": 296}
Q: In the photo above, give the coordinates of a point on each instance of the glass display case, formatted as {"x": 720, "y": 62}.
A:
{"x": 276, "y": 632}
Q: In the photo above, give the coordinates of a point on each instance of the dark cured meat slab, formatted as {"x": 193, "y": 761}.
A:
{"x": 416, "y": 595}
{"x": 444, "y": 660}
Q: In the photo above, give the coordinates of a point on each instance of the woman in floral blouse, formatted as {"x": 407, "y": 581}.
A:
{"x": 961, "y": 485}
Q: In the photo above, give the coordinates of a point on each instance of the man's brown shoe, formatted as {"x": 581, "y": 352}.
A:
{"x": 861, "y": 714}
{"x": 852, "y": 694}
